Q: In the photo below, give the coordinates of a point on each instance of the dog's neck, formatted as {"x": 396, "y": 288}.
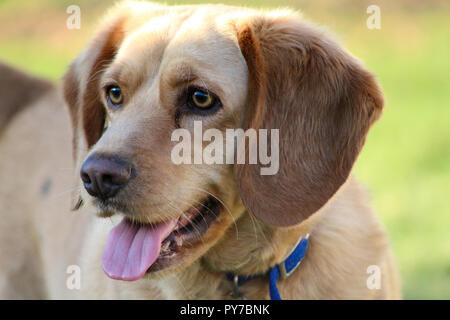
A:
{"x": 254, "y": 251}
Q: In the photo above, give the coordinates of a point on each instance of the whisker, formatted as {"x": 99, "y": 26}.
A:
{"x": 223, "y": 204}
{"x": 255, "y": 227}
{"x": 199, "y": 212}
{"x": 65, "y": 192}
{"x": 174, "y": 206}
{"x": 207, "y": 208}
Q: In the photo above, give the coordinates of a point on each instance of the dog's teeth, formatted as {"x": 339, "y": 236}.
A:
{"x": 165, "y": 247}
{"x": 179, "y": 241}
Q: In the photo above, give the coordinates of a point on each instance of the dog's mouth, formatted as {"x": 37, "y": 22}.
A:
{"x": 133, "y": 249}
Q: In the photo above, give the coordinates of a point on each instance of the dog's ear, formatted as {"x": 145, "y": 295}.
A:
{"x": 81, "y": 92}
{"x": 322, "y": 101}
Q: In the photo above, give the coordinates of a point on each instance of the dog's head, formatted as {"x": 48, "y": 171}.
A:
{"x": 152, "y": 70}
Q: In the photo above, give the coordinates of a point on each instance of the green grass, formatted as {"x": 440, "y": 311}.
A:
{"x": 406, "y": 160}
{"x": 48, "y": 63}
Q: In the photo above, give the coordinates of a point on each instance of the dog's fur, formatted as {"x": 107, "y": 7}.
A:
{"x": 271, "y": 70}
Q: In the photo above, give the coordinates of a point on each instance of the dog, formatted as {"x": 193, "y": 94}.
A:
{"x": 93, "y": 207}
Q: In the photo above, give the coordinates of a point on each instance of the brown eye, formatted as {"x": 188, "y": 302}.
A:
{"x": 202, "y": 99}
{"x": 114, "y": 96}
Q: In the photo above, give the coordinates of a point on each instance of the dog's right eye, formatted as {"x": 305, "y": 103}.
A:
{"x": 114, "y": 96}
{"x": 201, "y": 101}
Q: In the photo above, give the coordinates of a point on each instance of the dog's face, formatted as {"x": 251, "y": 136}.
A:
{"x": 153, "y": 69}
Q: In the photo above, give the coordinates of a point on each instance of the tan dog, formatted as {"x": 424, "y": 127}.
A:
{"x": 152, "y": 69}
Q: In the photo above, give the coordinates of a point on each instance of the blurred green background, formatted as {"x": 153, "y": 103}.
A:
{"x": 406, "y": 161}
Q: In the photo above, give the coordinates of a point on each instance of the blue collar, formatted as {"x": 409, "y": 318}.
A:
{"x": 282, "y": 270}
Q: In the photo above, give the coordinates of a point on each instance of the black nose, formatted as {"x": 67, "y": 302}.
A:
{"x": 103, "y": 176}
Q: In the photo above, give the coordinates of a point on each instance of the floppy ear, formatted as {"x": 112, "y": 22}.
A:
{"x": 81, "y": 92}
{"x": 322, "y": 101}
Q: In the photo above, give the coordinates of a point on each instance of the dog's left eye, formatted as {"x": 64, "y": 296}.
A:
{"x": 202, "y": 100}
{"x": 114, "y": 96}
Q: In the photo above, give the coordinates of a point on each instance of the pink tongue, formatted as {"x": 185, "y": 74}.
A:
{"x": 130, "y": 249}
